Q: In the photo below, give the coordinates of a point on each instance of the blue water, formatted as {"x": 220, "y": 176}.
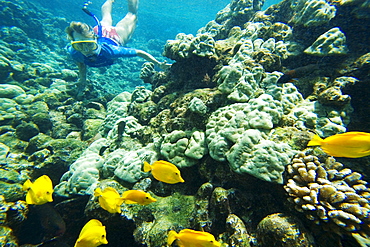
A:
{"x": 162, "y": 19}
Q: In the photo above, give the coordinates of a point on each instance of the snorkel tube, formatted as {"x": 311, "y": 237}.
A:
{"x": 84, "y": 8}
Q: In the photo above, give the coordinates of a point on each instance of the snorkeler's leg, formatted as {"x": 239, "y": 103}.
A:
{"x": 126, "y": 27}
{"x": 106, "y": 11}
{"x": 133, "y": 6}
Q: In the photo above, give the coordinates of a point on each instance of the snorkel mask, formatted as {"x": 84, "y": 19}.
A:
{"x": 85, "y": 46}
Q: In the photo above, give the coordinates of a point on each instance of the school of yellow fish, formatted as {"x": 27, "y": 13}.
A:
{"x": 349, "y": 144}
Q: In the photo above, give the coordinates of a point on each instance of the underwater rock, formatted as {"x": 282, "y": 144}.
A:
{"x": 4, "y": 150}
{"x": 219, "y": 208}
{"x": 329, "y": 194}
{"x": 144, "y": 111}
{"x": 90, "y": 128}
{"x": 9, "y": 112}
{"x": 43, "y": 223}
{"x": 171, "y": 212}
{"x": 46, "y": 153}
{"x": 40, "y": 156}
{"x": 7, "y": 237}
{"x": 10, "y": 91}
{"x": 176, "y": 113}
{"x": 282, "y": 230}
{"x": 43, "y": 121}
{"x": 200, "y": 218}
{"x": 37, "y": 143}
{"x": 11, "y": 191}
{"x": 333, "y": 42}
{"x": 236, "y": 233}
{"x": 12, "y": 213}
{"x": 140, "y": 95}
{"x": 25, "y": 131}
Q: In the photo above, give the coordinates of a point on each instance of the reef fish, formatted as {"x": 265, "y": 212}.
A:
{"x": 137, "y": 197}
{"x": 40, "y": 191}
{"x": 42, "y": 226}
{"x": 191, "y": 238}
{"x": 109, "y": 199}
{"x": 298, "y": 73}
{"x": 164, "y": 171}
{"x": 92, "y": 234}
{"x": 349, "y": 144}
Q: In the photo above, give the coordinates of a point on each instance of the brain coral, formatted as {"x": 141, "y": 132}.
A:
{"x": 312, "y": 13}
{"x": 258, "y": 157}
{"x": 330, "y": 194}
{"x": 332, "y": 42}
{"x": 238, "y": 133}
{"x": 184, "y": 148}
{"x": 227, "y": 124}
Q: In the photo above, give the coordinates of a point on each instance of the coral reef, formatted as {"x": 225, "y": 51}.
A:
{"x": 332, "y": 42}
{"x": 221, "y": 114}
{"x": 329, "y": 194}
{"x": 312, "y": 13}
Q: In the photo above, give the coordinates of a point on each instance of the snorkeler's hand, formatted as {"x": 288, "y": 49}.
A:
{"x": 164, "y": 65}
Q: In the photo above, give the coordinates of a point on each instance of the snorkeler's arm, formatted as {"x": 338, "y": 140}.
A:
{"x": 82, "y": 72}
{"x": 150, "y": 58}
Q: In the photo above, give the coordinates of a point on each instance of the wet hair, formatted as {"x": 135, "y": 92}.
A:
{"x": 81, "y": 28}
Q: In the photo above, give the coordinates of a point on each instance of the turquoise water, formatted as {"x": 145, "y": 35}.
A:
{"x": 162, "y": 19}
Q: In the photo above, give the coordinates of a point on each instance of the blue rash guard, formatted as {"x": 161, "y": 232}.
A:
{"x": 108, "y": 54}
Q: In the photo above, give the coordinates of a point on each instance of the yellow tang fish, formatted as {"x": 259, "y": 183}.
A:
{"x": 40, "y": 191}
{"x": 92, "y": 234}
{"x": 191, "y": 238}
{"x": 349, "y": 144}
{"x": 137, "y": 196}
{"x": 109, "y": 199}
{"x": 164, "y": 171}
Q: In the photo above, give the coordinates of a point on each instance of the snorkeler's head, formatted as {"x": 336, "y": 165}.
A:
{"x": 79, "y": 29}
{"x": 83, "y": 38}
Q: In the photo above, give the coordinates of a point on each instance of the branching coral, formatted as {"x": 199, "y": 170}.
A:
{"x": 330, "y": 194}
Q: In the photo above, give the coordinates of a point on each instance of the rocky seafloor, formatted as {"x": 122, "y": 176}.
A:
{"x": 219, "y": 113}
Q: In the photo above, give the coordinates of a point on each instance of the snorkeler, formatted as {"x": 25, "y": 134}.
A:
{"x": 102, "y": 45}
